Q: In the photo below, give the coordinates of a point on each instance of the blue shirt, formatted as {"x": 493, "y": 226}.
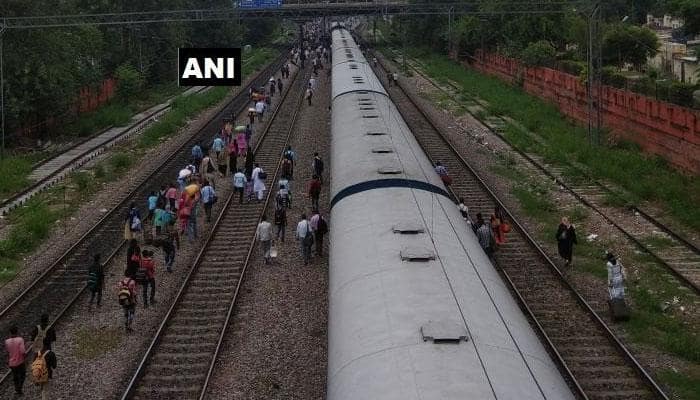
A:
{"x": 218, "y": 144}
{"x": 239, "y": 180}
{"x": 152, "y": 200}
{"x": 207, "y": 194}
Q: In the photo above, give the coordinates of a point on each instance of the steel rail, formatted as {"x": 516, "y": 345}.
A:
{"x": 541, "y": 253}
{"x": 242, "y": 96}
{"x": 141, "y": 369}
{"x": 694, "y": 249}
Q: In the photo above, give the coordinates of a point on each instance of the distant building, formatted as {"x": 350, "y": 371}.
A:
{"x": 665, "y": 22}
{"x": 673, "y": 57}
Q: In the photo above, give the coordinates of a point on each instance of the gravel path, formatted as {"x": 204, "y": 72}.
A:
{"x": 95, "y": 356}
{"x": 276, "y": 346}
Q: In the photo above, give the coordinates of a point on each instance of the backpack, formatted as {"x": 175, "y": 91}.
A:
{"x": 124, "y": 294}
{"x": 197, "y": 152}
{"x": 262, "y": 175}
{"x": 289, "y": 155}
{"x": 39, "y": 339}
{"x": 318, "y": 165}
{"x": 141, "y": 277}
{"x": 322, "y": 226}
{"x": 92, "y": 280}
{"x": 308, "y": 240}
{"x": 135, "y": 223}
{"x": 40, "y": 371}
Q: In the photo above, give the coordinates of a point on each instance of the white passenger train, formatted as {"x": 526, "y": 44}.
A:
{"x": 416, "y": 309}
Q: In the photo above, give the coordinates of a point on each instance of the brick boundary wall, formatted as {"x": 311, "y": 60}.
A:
{"x": 664, "y": 129}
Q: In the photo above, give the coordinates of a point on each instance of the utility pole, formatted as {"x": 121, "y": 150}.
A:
{"x": 594, "y": 75}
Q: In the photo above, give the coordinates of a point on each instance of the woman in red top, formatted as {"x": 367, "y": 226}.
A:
{"x": 149, "y": 265}
{"x": 16, "y": 354}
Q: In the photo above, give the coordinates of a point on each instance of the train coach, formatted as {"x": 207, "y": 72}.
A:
{"x": 416, "y": 309}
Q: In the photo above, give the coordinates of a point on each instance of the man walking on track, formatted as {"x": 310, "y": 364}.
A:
{"x": 305, "y": 237}
{"x": 320, "y": 228}
{"x": 264, "y": 234}
{"x": 14, "y": 346}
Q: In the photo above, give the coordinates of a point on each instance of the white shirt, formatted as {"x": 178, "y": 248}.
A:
{"x": 259, "y": 107}
{"x": 313, "y": 222}
{"x": 264, "y": 231}
{"x": 302, "y": 227}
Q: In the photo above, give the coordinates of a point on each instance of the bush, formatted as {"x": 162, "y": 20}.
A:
{"x": 612, "y": 77}
{"x": 129, "y": 81}
{"x": 539, "y": 54}
{"x": 572, "y": 67}
{"x": 682, "y": 93}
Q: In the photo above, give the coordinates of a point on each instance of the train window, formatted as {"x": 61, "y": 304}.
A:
{"x": 382, "y": 150}
{"x": 440, "y": 332}
{"x": 417, "y": 254}
{"x": 408, "y": 228}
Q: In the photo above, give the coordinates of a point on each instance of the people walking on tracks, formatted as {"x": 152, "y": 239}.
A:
{"x": 389, "y": 78}
{"x": 251, "y": 115}
{"x": 616, "y": 277}
{"x": 464, "y": 210}
{"x": 263, "y": 234}
{"x": 441, "y": 170}
{"x": 312, "y": 83}
{"x": 152, "y": 201}
{"x": 192, "y": 198}
{"x": 309, "y": 94}
{"x": 133, "y": 257}
{"x": 305, "y": 237}
{"x": 319, "y": 226}
{"x": 484, "y": 234}
{"x": 16, "y": 353}
{"x": 209, "y": 169}
{"x": 395, "y": 78}
{"x": 148, "y": 266}
{"x": 283, "y": 197}
{"x": 260, "y": 109}
{"x": 171, "y": 196}
{"x": 242, "y": 143}
{"x": 280, "y": 85}
{"x": 273, "y": 86}
{"x": 217, "y": 146}
{"x": 317, "y": 166}
{"x": 281, "y": 222}
{"x": 566, "y": 239}
{"x": 289, "y": 157}
{"x": 232, "y": 150}
{"x": 239, "y": 181}
{"x": 132, "y": 223}
{"x": 197, "y": 154}
{"x": 170, "y": 244}
{"x": 499, "y": 225}
{"x": 126, "y": 294}
{"x": 44, "y": 363}
{"x": 43, "y": 334}
{"x": 208, "y": 199}
{"x": 258, "y": 176}
{"x": 96, "y": 279}
{"x": 314, "y": 191}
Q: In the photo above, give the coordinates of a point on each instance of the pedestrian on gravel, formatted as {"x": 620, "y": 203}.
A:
{"x": 312, "y": 83}
{"x": 249, "y": 164}
{"x": 464, "y": 210}
{"x": 16, "y": 353}
{"x": 159, "y": 220}
{"x": 566, "y": 239}
{"x": 149, "y": 266}
{"x": 171, "y": 196}
{"x": 251, "y": 116}
{"x": 263, "y": 234}
{"x": 208, "y": 199}
{"x": 96, "y": 279}
{"x": 241, "y": 143}
{"x": 441, "y": 170}
{"x": 258, "y": 177}
{"x": 197, "y": 154}
{"x": 289, "y": 157}
{"x": 133, "y": 256}
{"x": 309, "y": 94}
{"x": 170, "y": 245}
{"x": 43, "y": 334}
{"x": 209, "y": 169}
{"x": 498, "y": 225}
{"x": 395, "y": 78}
{"x": 44, "y": 363}
{"x": 152, "y": 201}
{"x": 317, "y": 167}
{"x": 192, "y": 204}
{"x": 485, "y": 235}
{"x": 283, "y": 197}
{"x": 239, "y": 181}
{"x": 281, "y": 222}
{"x": 133, "y": 224}
{"x": 305, "y": 237}
{"x": 126, "y": 294}
{"x": 260, "y": 109}
{"x": 314, "y": 191}
{"x": 616, "y": 277}
{"x": 273, "y": 84}
{"x": 217, "y": 146}
{"x": 389, "y": 78}
{"x": 319, "y": 226}
{"x": 280, "y": 85}
{"x": 232, "y": 150}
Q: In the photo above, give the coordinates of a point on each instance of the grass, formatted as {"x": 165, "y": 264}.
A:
{"x": 15, "y": 172}
{"x": 92, "y": 343}
{"x": 565, "y": 142}
{"x": 658, "y": 242}
{"x": 686, "y": 385}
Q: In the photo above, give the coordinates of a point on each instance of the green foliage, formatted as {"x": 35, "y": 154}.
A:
{"x": 565, "y": 142}
{"x": 13, "y": 178}
{"x": 686, "y": 385}
{"x": 572, "y": 67}
{"x": 129, "y": 81}
{"x": 120, "y": 162}
{"x": 625, "y": 43}
{"x": 539, "y": 54}
{"x": 611, "y": 76}
{"x": 31, "y": 224}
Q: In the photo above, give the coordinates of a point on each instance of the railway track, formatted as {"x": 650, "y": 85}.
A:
{"x": 60, "y": 285}
{"x": 596, "y": 362}
{"x": 677, "y": 254}
{"x": 181, "y": 357}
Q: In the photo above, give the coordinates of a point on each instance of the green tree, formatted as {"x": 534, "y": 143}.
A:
{"x": 623, "y": 43}
{"x": 540, "y": 54}
{"x": 129, "y": 81}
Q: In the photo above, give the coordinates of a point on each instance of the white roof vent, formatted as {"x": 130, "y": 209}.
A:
{"x": 382, "y": 150}
{"x": 376, "y": 133}
{"x": 443, "y": 332}
{"x": 390, "y": 170}
{"x": 417, "y": 254}
{"x": 408, "y": 228}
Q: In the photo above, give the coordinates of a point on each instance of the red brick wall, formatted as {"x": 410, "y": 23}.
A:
{"x": 664, "y": 129}
{"x": 90, "y": 99}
